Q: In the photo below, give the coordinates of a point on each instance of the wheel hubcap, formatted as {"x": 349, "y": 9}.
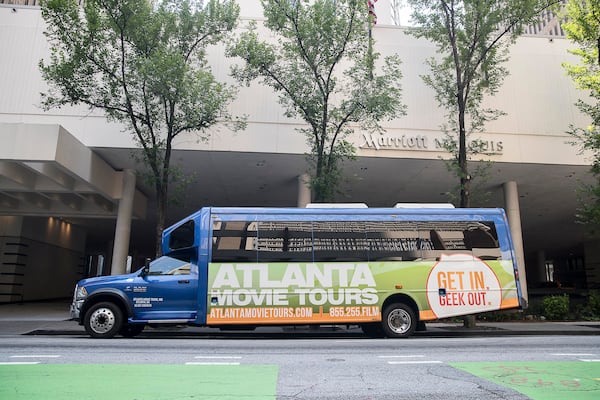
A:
{"x": 399, "y": 321}
{"x": 102, "y": 320}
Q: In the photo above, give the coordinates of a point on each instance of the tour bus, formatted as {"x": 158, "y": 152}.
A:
{"x": 385, "y": 269}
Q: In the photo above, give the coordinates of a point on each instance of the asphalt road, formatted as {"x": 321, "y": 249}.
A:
{"x": 318, "y": 368}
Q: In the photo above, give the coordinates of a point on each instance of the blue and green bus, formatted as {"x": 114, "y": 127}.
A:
{"x": 385, "y": 269}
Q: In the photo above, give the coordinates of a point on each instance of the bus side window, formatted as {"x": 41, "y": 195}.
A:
{"x": 182, "y": 237}
{"x": 438, "y": 243}
{"x": 233, "y": 241}
{"x": 394, "y": 241}
{"x": 465, "y": 237}
{"x": 482, "y": 240}
{"x": 340, "y": 241}
{"x": 284, "y": 241}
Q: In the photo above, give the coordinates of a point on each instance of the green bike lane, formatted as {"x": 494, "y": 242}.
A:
{"x": 137, "y": 382}
{"x": 575, "y": 380}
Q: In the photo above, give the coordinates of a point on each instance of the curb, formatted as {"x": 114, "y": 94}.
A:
{"x": 316, "y": 334}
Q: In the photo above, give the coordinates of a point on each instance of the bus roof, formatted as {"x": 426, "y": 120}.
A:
{"x": 354, "y": 211}
{"x": 422, "y": 214}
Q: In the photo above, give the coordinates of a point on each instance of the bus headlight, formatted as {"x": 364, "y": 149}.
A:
{"x": 80, "y": 293}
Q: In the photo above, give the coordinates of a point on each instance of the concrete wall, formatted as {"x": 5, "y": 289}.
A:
{"x": 537, "y": 96}
{"x": 40, "y": 258}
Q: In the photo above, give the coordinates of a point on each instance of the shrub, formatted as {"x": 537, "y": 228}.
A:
{"x": 594, "y": 303}
{"x": 556, "y": 307}
{"x": 590, "y": 311}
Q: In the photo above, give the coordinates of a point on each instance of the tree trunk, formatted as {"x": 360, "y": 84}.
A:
{"x": 161, "y": 198}
{"x": 465, "y": 179}
{"x": 317, "y": 185}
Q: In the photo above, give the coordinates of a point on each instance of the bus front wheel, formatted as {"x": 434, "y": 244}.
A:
{"x": 103, "y": 320}
{"x": 398, "y": 320}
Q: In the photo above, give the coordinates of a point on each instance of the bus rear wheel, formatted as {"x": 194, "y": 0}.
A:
{"x": 398, "y": 320}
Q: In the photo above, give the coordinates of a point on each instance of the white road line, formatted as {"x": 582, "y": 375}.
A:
{"x": 20, "y": 363}
{"x": 573, "y": 354}
{"x": 414, "y": 362}
{"x": 588, "y": 360}
{"x": 356, "y": 340}
{"x": 407, "y": 356}
{"x": 212, "y": 363}
{"x": 219, "y": 357}
{"x": 36, "y": 356}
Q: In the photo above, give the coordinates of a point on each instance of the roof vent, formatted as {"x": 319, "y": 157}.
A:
{"x": 336, "y": 205}
{"x": 424, "y": 205}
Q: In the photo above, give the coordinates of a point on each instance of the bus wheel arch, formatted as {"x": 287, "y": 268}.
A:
{"x": 399, "y": 317}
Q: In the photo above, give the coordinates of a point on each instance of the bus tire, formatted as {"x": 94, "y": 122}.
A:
{"x": 103, "y": 320}
{"x": 398, "y": 320}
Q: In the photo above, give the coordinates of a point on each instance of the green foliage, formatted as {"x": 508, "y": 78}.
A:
{"x": 473, "y": 38}
{"x": 479, "y": 174}
{"x": 322, "y": 65}
{"x": 556, "y": 307}
{"x": 594, "y": 302}
{"x": 144, "y": 64}
{"x": 500, "y": 316}
{"x": 590, "y": 310}
{"x": 582, "y": 26}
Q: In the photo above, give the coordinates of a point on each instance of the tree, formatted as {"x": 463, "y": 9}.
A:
{"x": 473, "y": 38}
{"x": 322, "y": 66}
{"x": 144, "y": 65}
{"x": 582, "y": 26}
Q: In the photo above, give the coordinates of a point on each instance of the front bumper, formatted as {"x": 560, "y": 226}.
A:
{"x": 75, "y": 309}
{"x": 79, "y": 296}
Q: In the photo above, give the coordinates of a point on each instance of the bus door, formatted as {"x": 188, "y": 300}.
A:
{"x": 168, "y": 291}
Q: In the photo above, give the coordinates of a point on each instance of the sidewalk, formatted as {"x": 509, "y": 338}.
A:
{"x": 52, "y": 318}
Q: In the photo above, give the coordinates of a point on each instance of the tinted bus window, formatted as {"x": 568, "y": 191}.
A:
{"x": 182, "y": 237}
{"x": 233, "y": 241}
{"x": 340, "y": 241}
{"x": 330, "y": 241}
{"x": 477, "y": 238}
{"x": 395, "y": 240}
{"x": 284, "y": 241}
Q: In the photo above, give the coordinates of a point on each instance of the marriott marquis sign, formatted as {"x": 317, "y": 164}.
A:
{"x": 418, "y": 143}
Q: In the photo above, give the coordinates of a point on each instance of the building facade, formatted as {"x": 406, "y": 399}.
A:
{"x": 70, "y": 201}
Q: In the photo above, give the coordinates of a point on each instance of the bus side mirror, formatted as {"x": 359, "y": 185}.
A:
{"x": 146, "y": 268}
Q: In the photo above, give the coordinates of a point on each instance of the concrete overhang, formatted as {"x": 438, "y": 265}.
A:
{"x": 45, "y": 171}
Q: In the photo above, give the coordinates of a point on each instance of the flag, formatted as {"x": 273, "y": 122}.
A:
{"x": 371, "y": 5}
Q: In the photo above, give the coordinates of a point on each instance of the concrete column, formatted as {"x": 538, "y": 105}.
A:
{"x": 304, "y": 193}
{"x": 123, "y": 229}
{"x": 540, "y": 273}
{"x": 513, "y": 213}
